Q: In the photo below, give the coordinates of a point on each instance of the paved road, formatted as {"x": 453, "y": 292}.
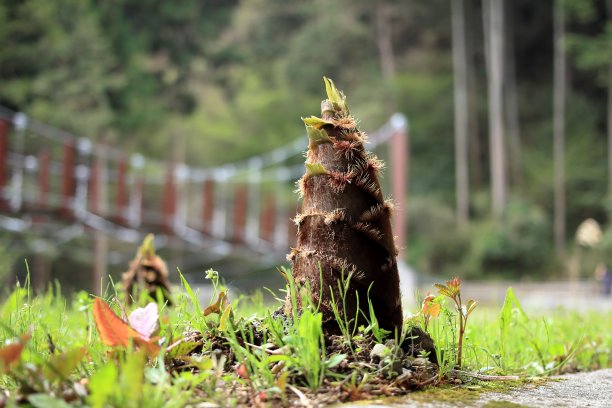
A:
{"x": 593, "y": 390}
{"x": 538, "y": 296}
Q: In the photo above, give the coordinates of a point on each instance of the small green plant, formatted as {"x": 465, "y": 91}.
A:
{"x": 373, "y": 326}
{"x": 452, "y": 290}
{"x": 505, "y": 319}
{"x": 348, "y": 325}
{"x": 308, "y": 344}
{"x": 265, "y": 357}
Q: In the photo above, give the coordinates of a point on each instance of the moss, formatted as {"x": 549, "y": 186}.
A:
{"x": 460, "y": 395}
{"x": 502, "y": 404}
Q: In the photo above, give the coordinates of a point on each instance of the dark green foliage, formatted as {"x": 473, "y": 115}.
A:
{"x": 229, "y": 78}
{"x": 512, "y": 250}
{"x": 53, "y": 54}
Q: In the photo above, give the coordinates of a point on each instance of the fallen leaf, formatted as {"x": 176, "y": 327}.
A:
{"x": 241, "y": 371}
{"x": 218, "y": 306}
{"x": 260, "y": 399}
{"x": 61, "y": 365}
{"x": 145, "y": 320}
{"x": 10, "y": 354}
{"x": 114, "y": 332}
{"x": 281, "y": 381}
{"x": 47, "y": 401}
{"x": 181, "y": 348}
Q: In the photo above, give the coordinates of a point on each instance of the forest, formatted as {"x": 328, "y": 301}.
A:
{"x": 527, "y": 83}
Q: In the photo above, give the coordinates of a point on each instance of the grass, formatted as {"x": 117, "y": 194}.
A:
{"x": 243, "y": 353}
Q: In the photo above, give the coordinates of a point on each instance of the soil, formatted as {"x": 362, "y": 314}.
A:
{"x": 590, "y": 389}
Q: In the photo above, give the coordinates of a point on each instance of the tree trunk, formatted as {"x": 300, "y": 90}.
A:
{"x": 559, "y": 127}
{"x": 496, "y": 110}
{"x": 610, "y": 110}
{"x": 511, "y": 101}
{"x": 99, "y": 195}
{"x": 344, "y": 227}
{"x": 474, "y": 142}
{"x": 461, "y": 112}
{"x": 384, "y": 40}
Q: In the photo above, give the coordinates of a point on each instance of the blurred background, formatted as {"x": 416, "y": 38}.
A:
{"x": 122, "y": 117}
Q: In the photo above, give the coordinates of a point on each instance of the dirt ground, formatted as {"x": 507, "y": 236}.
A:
{"x": 591, "y": 389}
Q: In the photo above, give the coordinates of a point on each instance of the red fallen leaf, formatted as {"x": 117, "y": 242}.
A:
{"x": 151, "y": 348}
{"x": 114, "y": 332}
{"x": 11, "y": 353}
{"x": 218, "y": 306}
{"x": 260, "y": 398}
{"x": 241, "y": 371}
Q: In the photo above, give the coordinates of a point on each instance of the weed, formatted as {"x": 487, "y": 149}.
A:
{"x": 228, "y": 357}
{"x": 452, "y": 290}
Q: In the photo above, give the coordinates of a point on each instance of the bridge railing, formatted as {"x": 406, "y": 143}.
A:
{"x": 48, "y": 173}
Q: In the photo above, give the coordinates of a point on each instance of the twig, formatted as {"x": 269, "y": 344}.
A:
{"x": 428, "y": 381}
{"x": 303, "y": 398}
{"x": 278, "y": 351}
{"x": 484, "y": 377}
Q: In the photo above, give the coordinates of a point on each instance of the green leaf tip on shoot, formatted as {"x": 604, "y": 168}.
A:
{"x": 316, "y": 122}
{"x": 315, "y": 169}
{"x": 317, "y": 136}
{"x": 147, "y": 249}
{"x": 335, "y": 96}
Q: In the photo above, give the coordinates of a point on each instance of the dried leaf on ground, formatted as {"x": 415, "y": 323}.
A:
{"x": 114, "y": 332}
{"x": 218, "y": 306}
{"x": 9, "y": 355}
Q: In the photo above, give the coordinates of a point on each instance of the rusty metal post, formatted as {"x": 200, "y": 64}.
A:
{"x": 240, "y": 213}
{"x": 44, "y": 164}
{"x": 68, "y": 184}
{"x": 4, "y": 135}
{"x": 400, "y": 159}
{"x": 208, "y": 206}
{"x": 169, "y": 200}
{"x": 20, "y": 124}
{"x": 121, "y": 198}
{"x": 94, "y": 186}
{"x": 135, "y": 218}
{"x": 267, "y": 218}
{"x": 98, "y": 203}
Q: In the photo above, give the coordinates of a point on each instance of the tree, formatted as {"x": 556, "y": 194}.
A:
{"x": 511, "y": 99}
{"x": 461, "y": 111}
{"x": 495, "y": 45}
{"x": 384, "y": 40}
{"x": 160, "y": 47}
{"x": 55, "y": 63}
{"x": 609, "y": 118}
{"x": 559, "y": 126}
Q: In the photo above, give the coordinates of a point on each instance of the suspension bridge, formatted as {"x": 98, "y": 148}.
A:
{"x": 57, "y": 187}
